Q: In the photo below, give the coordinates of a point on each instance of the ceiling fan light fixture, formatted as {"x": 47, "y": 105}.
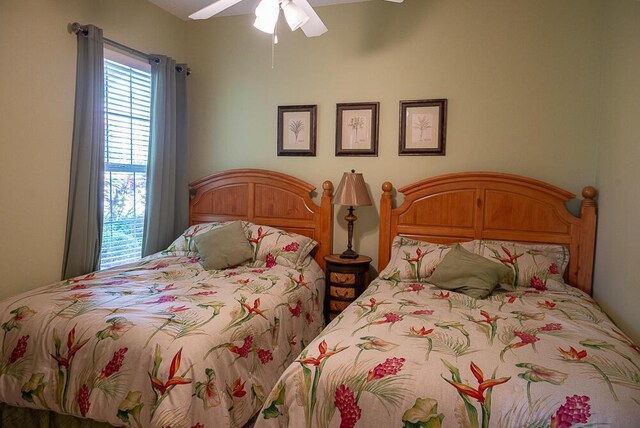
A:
{"x": 295, "y": 16}
{"x": 267, "y": 14}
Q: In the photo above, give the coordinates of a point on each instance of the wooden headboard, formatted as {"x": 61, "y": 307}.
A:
{"x": 268, "y": 198}
{"x": 486, "y": 205}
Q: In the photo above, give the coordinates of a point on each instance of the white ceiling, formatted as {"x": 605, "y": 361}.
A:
{"x": 184, "y": 8}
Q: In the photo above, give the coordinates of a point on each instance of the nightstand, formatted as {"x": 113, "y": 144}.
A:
{"x": 346, "y": 279}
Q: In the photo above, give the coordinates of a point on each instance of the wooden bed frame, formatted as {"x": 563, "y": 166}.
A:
{"x": 485, "y": 205}
{"x": 265, "y": 197}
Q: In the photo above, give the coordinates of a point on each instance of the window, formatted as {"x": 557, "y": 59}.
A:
{"x": 127, "y": 99}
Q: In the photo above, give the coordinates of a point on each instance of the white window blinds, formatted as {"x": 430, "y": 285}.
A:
{"x": 127, "y": 97}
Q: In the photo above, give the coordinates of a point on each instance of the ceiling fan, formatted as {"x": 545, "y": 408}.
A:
{"x": 298, "y": 14}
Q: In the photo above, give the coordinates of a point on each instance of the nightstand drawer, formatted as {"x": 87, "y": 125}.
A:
{"x": 337, "y": 305}
{"x": 342, "y": 278}
{"x": 342, "y": 292}
{"x": 345, "y": 280}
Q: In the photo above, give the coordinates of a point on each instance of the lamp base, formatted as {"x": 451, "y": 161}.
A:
{"x": 349, "y": 254}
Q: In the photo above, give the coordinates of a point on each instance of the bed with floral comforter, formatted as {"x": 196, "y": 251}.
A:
{"x": 408, "y": 354}
{"x": 162, "y": 342}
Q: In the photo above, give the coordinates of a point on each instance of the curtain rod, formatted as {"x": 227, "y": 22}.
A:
{"x": 76, "y": 28}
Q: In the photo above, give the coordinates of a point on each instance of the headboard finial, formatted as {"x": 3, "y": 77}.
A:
{"x": 387, "y": 187}
{"x": 327, "y": 186}
{"x": 589, "y": 193}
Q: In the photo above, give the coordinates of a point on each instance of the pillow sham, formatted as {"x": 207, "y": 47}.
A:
{"x": 414, "y": 261}
{"x": 273, "y": 245}
{"x": 532, "y": 264}
{"x": 186, "y": 242}
{"x": 223, "y": 247}
{"x": 468, "y": 273}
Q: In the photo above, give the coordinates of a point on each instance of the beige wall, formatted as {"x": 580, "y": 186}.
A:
{"x": 36, "y": 117}
{"x": 617, "y": 275}
{"x": 521, "y": 77}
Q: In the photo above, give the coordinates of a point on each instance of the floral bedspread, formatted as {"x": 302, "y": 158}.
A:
{"x": 411, "y": 355}
{"x": 158, "y": 343}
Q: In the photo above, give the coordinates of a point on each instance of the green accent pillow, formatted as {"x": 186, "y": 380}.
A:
{"x": 468, "y": 273}
{"x": 223, "y": 247}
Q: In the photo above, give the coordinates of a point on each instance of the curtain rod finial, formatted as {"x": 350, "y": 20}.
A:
{"x": 76, "y": 28}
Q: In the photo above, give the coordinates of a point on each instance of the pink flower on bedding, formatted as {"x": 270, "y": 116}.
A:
{"x": 575, "y": 410}
{"x": 265, "y": 355}
{"x": 78, "y": 287}
{"x": 422, "y": 312}
{"x": 19, "y": 350}
{"x": 230, "y": 274}
{"x": 553, "y": 326}
{"x": 526, "y": 338}
{"x": 309, "y": 318}
{"x": 441, "y": 295}
{"x": 390, "y": 317}
{"x": 390, "y": 366}
{"x": 242, "y": 351}
{"x": 163, "y": 299}
{"x": 345, "y": 401}
{"x": 193, "y": 260}
{"x": 537, "y": 283}
{"x": 291, "y": 247}
{"x": 115, "y": 364}
{"x": 295, "y": 311}
{"x": 553, "y": 269}
{"x": 160, "y": 265}
{"x": 83, "y": 399}
{"x": 115, "y": 282}
{"x": 198, "y": 425}
{"x": 270, "y": 261}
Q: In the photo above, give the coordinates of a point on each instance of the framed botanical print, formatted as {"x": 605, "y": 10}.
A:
{"x": 297, "y": 130}
{"x": 357, "y": 129}
{"x": 423, "y": 126}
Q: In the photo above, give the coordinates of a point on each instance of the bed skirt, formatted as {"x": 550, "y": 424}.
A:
{"x": 11, "y": 417}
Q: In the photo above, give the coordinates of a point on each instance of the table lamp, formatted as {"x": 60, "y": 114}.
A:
{"x": 351, "y": 192}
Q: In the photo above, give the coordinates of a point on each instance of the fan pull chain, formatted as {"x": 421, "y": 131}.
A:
{"x": 274, "y": 42}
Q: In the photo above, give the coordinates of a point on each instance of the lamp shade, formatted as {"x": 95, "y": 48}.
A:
{"x": 352, "y": 190}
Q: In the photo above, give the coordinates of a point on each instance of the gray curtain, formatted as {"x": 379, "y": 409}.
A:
{"x": 86, "y": 184}
{"x": 167, "y": 187}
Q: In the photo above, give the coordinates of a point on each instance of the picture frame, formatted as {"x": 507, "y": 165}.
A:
{"x": 297, "y": 130}
{"x": 357, "y": 129}
{"x": 423, "y": 127}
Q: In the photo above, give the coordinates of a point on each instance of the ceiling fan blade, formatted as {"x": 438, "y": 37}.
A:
{"x": 213, "y": 9}
{"x": 314, "y": 26}
{"x": 396, "y": 1}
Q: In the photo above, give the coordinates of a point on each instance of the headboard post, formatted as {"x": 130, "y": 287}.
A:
{"x": 586, "y": 254}
{"x": 384, "y": 243}
{"x": 326, "y": 232}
